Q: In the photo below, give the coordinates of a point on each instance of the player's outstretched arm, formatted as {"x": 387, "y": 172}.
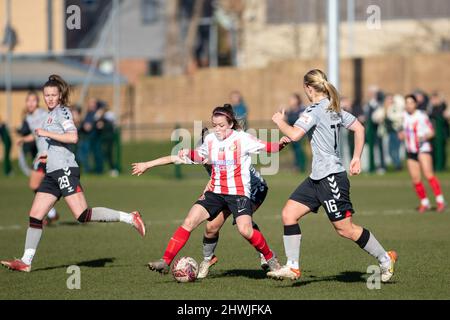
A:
{"x": 355, "y": 164}
{"x": 273, "y": 147}
{"x": 139, "y": 168}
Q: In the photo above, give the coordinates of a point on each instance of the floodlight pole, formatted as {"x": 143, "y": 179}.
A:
{"x": 8, "y": 56}
{"x": 116, "y": 45}
{"x": 333, "y": 42}
{"x": 350, "y": 26}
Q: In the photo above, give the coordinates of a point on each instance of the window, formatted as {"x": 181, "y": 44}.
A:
{"x": 149, "y": 11}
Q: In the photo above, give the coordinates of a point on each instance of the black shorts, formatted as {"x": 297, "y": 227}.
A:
{"x": 215, "y": 203}
{"x": 64, "y": 182}
{"x": 332, "y": 192}
{"x": 414, "y": 156}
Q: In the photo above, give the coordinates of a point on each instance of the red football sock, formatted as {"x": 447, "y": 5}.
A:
{"x": 435, "y": 185}
{"x": 176, "y": 243}
{"x": 260, "y": 244}
{"x": 420, "y": 190}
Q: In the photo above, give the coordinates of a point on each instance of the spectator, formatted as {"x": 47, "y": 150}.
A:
{"x": 373, "y": 114}
{"x": 437, "y": 111}
{"x": 6, "y": 138}
{"x": 239, "y": 108}
{"x": 295, "y": 108}
{"x": 105, "y": 126}
{"x": 394, "y": 107}
{"x": 88, "y": 136}
{"x": 422, "y": 99}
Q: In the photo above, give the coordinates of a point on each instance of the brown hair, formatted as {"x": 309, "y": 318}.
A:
{"x": 318, "y": 80}
{"x": 227, "y": 111}
{"x": 57, "y": 82}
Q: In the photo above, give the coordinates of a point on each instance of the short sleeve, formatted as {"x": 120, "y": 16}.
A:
{"x": 66, "y": 120}
{"x": 347, "y": 119}
{"x": 308, "y": 119}
{"x": 251, "y": 144}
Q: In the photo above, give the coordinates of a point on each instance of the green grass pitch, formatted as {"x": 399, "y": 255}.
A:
{"x": 112, "y": 257}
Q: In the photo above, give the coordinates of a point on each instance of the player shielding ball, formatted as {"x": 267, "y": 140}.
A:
{"x": 328, "y": 185}
{"x": 62, "y": 176}
{"x": 417, "y": 133}
{"x": 228, "y": 151}
{"x": 258, "y": 193}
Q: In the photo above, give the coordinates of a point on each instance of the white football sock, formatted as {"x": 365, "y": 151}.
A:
{"x": 28, "y": 256}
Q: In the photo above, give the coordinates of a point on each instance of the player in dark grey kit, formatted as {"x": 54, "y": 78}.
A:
{"x": 328, "y": 185}
{"x": 62, "y": 176}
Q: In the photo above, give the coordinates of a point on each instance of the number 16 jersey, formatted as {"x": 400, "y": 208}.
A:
{"x": 322, "y": 126}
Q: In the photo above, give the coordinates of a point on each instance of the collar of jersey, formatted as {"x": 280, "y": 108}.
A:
{"x": 228, "y": 136}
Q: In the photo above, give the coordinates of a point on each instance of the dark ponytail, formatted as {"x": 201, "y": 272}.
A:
{"x": 57, "y": 82}
{"x": 227, "y": 111}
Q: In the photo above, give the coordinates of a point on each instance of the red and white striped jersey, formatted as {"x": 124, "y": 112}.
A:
{"x": 231, "y": 160}
{"x": 416, "y": 127}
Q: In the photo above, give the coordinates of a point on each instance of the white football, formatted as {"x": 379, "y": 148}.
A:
{"x": 185, "y": 269}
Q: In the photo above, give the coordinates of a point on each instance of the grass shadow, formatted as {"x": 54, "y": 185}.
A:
{"x": 346, "y": 277}
{"x": 97, "y": 263}
{"x": 65, "y": 223}
{"x": 247, "y": 273}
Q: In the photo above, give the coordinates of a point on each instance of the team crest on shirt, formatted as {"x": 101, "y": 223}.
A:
{"x": 232, "y": 147}
{"x": 305, "y": 118}
{"x": 49, "y": 120}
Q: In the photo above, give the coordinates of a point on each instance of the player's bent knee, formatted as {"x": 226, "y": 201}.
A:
{"x": 245, "y": 230}
{"x": 288, "y": 216}
{"x": 190, "y": 224}
{"x": 211, "y": 230}
{"x": 345, "y": 233}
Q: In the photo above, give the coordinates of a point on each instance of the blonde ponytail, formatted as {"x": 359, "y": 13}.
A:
{"x": 317, "y": 79}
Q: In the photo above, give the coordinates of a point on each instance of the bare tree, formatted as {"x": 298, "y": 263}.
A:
{"x": 192, "y": 34}
{"x": 173, "y": 64}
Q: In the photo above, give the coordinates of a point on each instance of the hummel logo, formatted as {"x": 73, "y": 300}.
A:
{"x": 338, "y": 196}
{"x": 335, "y": 190}
{"x": 331, "y": 179}
{"x": 333, "y": 185}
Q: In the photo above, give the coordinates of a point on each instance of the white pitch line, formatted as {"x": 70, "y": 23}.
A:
{"x": 391, "y": 212}
{"x": 13, "y": 227}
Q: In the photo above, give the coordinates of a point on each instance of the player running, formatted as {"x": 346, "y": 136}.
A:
{"x": 417, "y": 133}
{"x": 258, "y": 193}
{"x": 62, "y": 176}
{"x": 35, "y": 119}
{"x": 228, "y": 151}
{"x": 328, "y": 185}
